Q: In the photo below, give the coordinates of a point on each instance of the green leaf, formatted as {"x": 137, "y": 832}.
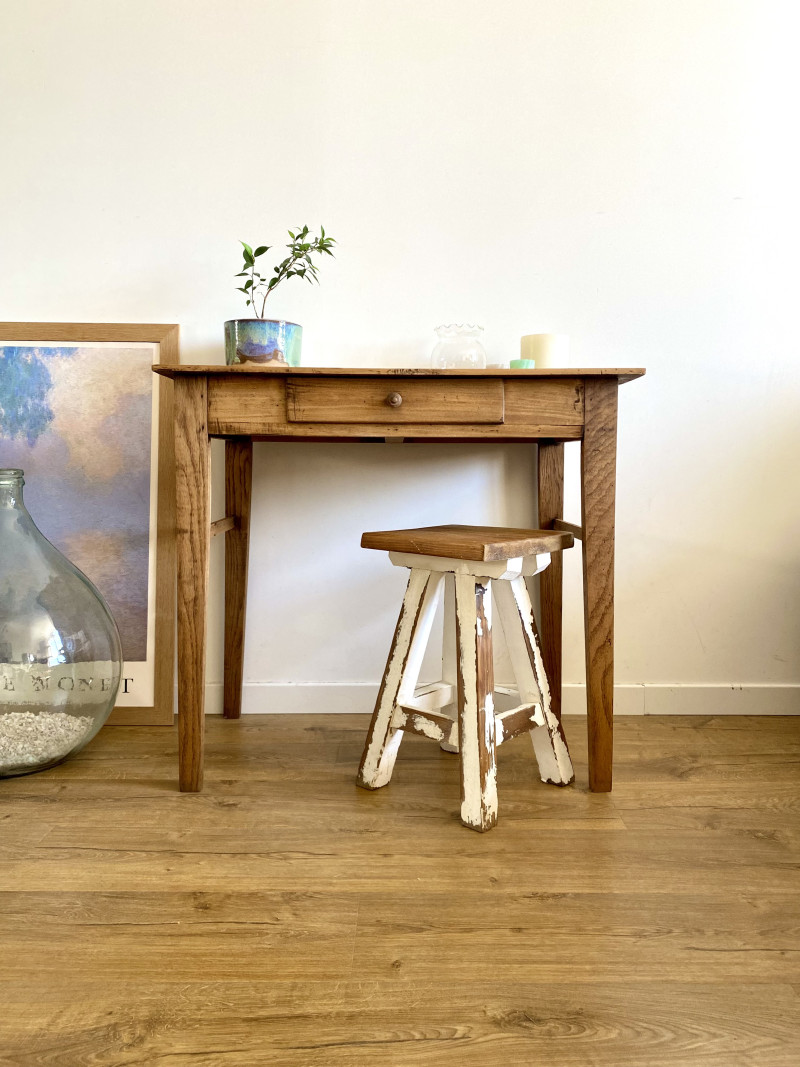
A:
{"x": 248, "y": 283}
{"x": 246, "y": 247}
{"x": 261, "y": 250}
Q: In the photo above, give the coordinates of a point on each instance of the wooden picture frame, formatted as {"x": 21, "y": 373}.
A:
{"x": 147, "y": 344}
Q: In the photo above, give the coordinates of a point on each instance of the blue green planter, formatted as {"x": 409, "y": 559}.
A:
{"x": 263, "y": 341}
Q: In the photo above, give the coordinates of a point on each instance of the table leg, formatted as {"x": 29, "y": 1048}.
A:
{"x": 193, "y": 520}
{"x": 238, "y": 487}
{"x": 598, "y": 487}
{"x": 551, "y": 507}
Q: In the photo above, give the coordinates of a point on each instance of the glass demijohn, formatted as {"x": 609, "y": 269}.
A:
{"x": 60, "y": 652}
{"x": 459, "y": 346}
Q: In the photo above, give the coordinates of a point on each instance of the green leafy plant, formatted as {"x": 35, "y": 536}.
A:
{"x": 298, "y": 264}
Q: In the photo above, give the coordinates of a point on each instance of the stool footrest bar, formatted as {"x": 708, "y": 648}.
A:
{"x": 440, "y": 728}
{"x": 436, "y": 727}
{"x": 430, "y": 697}
{"x": 517, "y": 721}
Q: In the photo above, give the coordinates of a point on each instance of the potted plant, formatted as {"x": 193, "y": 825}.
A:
{"x": 262, "y": 340}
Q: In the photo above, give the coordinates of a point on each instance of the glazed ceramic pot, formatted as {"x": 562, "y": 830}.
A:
{"x": 263, "y": 341}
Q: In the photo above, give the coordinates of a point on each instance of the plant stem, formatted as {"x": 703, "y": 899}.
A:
{"x": 253, "y": 289}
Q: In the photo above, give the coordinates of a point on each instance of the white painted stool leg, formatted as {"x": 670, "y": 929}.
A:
{"x": 383, "y": 740}
{"x": 522, "y": 640}
{"x": 476, "y": 702}
{"x": 449, "y": 649}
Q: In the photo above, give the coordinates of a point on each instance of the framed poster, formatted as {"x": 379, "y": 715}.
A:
{"x": 91, "y": 426}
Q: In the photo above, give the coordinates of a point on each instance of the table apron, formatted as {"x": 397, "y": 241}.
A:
{"x": 266, "y": 407}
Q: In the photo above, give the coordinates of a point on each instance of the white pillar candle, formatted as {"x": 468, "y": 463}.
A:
{"x": 547, "y": 349}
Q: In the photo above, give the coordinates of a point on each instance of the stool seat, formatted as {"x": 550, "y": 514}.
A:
{"x": 482, "y": 543}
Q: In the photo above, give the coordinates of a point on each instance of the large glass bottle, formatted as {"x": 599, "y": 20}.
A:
{"x": 60, "y": 652}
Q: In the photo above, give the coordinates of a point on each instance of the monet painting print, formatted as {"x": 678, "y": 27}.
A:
{"x": 81, "y": 419}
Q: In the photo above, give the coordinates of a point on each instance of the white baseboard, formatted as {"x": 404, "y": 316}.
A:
{"x": 676, "y": 699}
{"x": 645, "y": 699}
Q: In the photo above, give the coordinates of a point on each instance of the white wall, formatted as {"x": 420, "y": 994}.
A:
{"x": 622, "y": 171}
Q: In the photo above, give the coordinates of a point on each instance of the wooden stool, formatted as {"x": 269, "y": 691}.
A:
{"x": 474, "y": 565}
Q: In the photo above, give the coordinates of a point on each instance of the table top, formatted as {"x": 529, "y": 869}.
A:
{"x": 622, "y": 374}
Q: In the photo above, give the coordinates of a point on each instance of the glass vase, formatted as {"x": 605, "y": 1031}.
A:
{"x": 60, "y": 651}
{"x": 459, "y": 346}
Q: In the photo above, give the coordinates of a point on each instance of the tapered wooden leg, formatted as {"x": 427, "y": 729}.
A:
{"x": 598, "y": 487}
{"x": 383, "y": 739}
{"x": 476, "y": 725}
{"x": 522, "y": 640}
{"x": 193, "y": 497}
{"x": 238, "y": 491}
{"x": 551, "y": 507}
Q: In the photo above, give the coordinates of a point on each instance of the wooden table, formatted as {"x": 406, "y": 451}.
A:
{"x": 244, "y": 404}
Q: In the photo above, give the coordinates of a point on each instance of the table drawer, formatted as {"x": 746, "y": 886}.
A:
{"x": 406, "y": 400}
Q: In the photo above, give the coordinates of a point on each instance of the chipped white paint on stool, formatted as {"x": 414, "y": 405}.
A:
{"x": 458, "y": 711}
{"x": 497, "y": 569}
{"x": 476, "y": 738}
{"x": 522, "y": 641}
{"x": 450, "y": 652}
{"x": 405, "y": 657}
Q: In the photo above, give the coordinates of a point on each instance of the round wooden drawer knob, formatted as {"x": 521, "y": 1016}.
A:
{"x": 394, "y": 400}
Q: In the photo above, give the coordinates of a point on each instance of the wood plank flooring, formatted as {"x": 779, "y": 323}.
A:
{"x": 285, "y": 918}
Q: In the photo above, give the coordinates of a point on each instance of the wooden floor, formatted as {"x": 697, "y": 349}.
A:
{"x": 284, "y": 917}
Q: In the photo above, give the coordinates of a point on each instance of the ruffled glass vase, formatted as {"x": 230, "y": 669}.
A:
{"x": 459, "y": 346}
{"x": 60, "y": 652}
